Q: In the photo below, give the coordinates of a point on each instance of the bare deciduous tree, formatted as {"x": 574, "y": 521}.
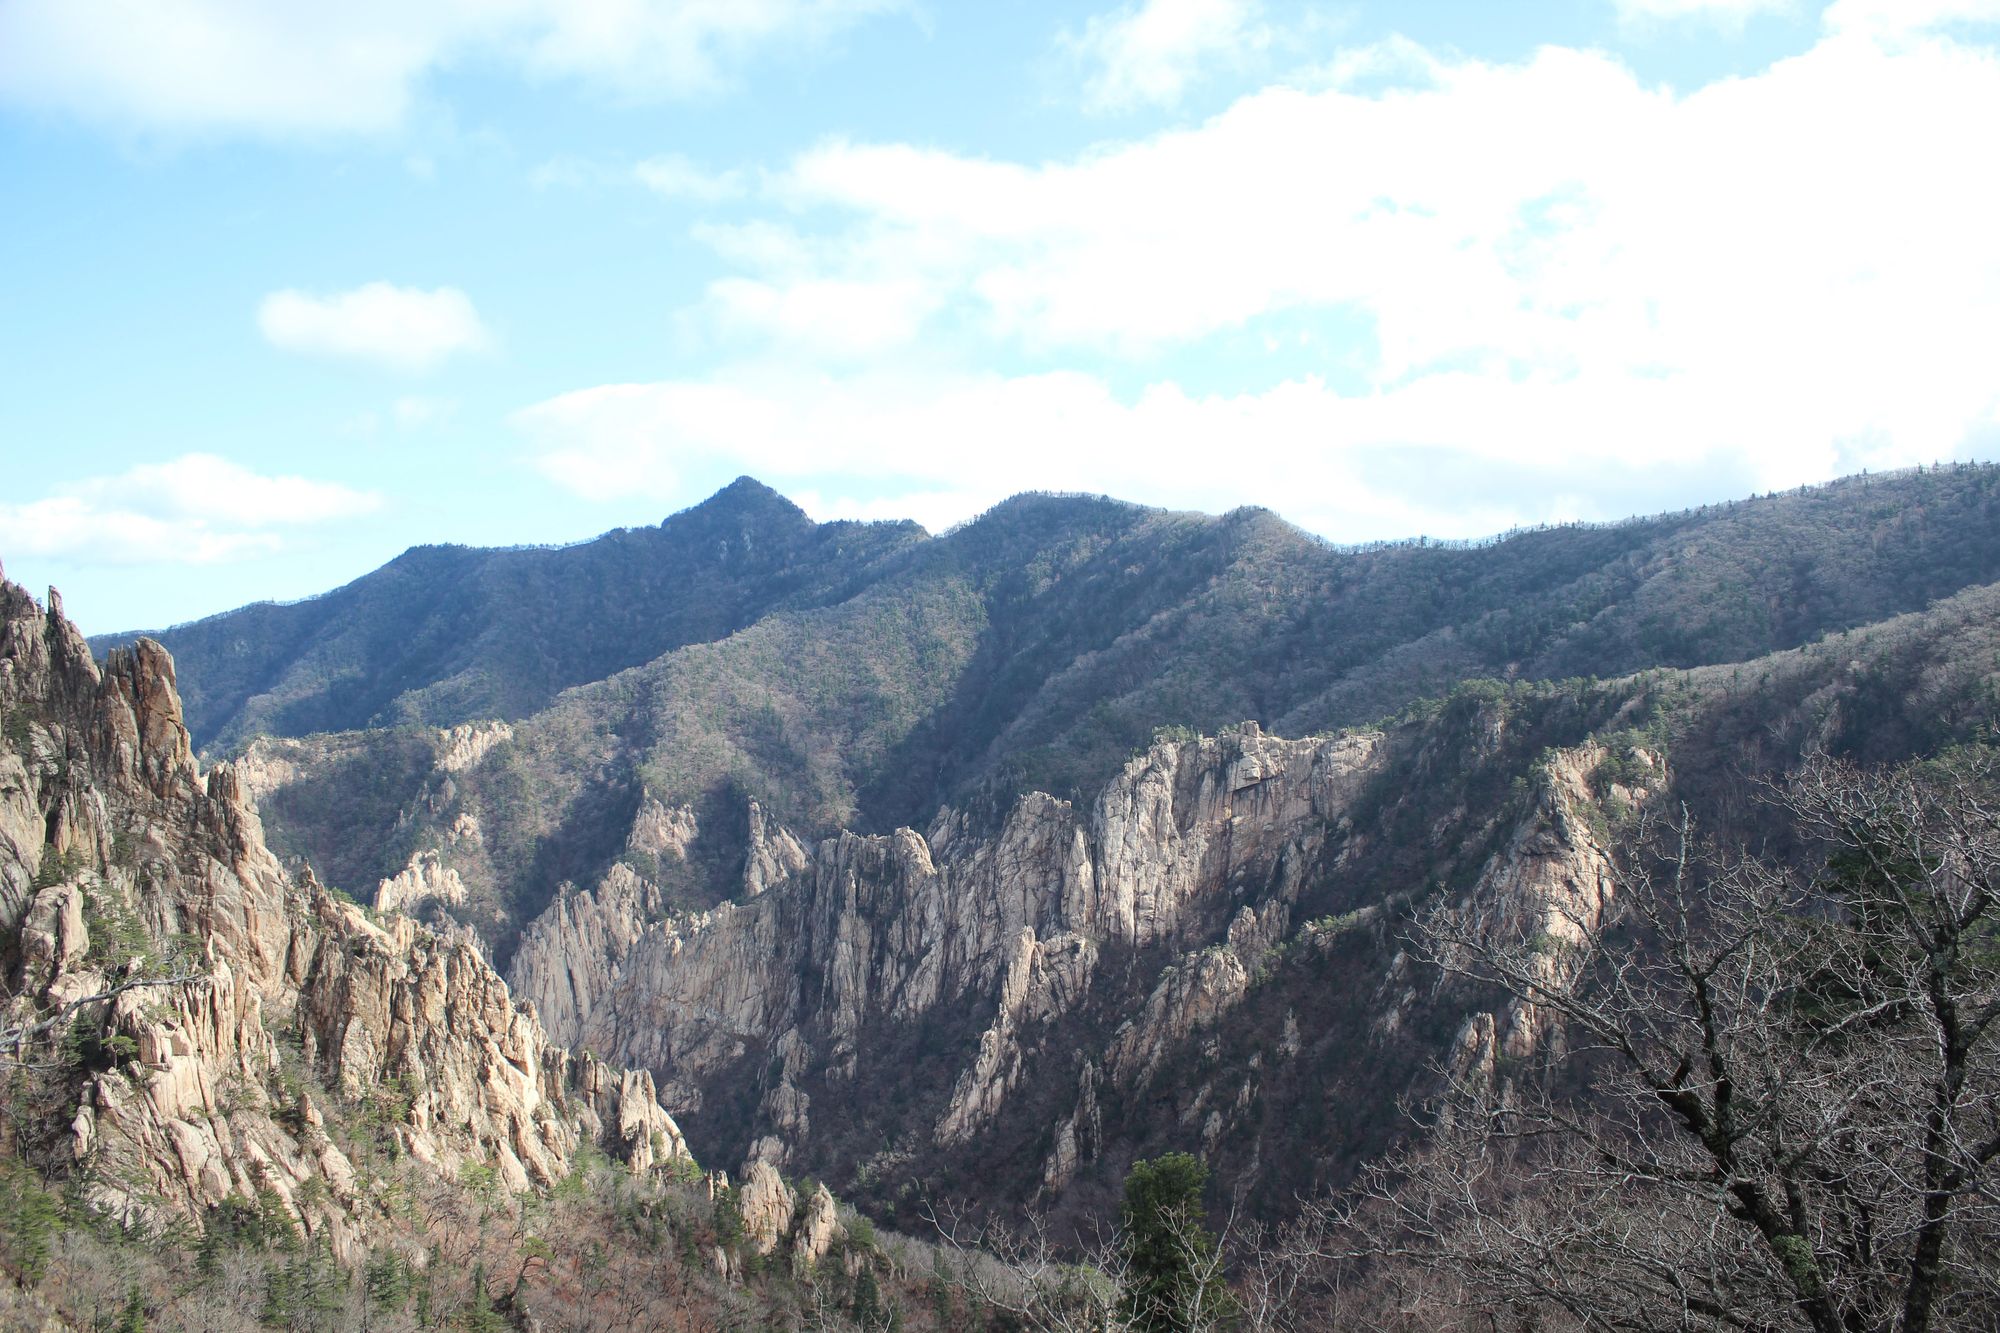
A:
{"x": 1024, "y": 1272}
{"x": 1783, "y": 1104}
{"x": 1083, "y": 1286}
{"x": 17, "y": 1038}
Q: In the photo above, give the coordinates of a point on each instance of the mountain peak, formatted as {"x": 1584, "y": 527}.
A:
{"x": 749, "y": 498}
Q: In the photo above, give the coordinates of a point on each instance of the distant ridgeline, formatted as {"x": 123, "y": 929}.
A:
{"x": 1079, "y": 833}
{"x": 447, "y": 633}
{"x": 1039, "y": 645}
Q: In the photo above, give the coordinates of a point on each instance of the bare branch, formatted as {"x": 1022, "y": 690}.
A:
{"x": 14, "y": 1040}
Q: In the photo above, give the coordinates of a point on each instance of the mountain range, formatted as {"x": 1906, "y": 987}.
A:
{"x": 877, "y": 847}
{"x": 973, "y": 869}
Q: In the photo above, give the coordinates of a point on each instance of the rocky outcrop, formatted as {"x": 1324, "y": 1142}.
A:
{"x": 1078, "y": 1135}
{"x": 767, "y": 1204}
{"x": 659, "y": 830}
{"x": 818, "y": 1228}
{"x": 772, "y": 854}
{"x": 1011, "y": 987}
{"x": 1548, "y": 889}
{"x": 266, "y": 764}
{"x": 1015, "y": 923}
{"x": 240, "y": 1008}
{"x": 569, "y": 956}
{"x": 402, "y": 1007}
{"x": 426, "y": 882}
{"x": 1194, "y": 993}
{"x": 1110, "y": 950}
{"x": 462, "y": 747}
{"x": 774, "y": 1215}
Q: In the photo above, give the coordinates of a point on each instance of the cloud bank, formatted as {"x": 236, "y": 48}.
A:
{"x": 1550, "y": 266}
{"x": 246, "y": 67}
{"x": 1150, "y": 54}
{"x": 196, "y": 509}
{"x": 401, "y": 328}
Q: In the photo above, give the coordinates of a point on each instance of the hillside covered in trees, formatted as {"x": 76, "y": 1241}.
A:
{"x": 1036, "y": 648}
{"x": 446, "y": 633}
{"x": 1010, "y": 861}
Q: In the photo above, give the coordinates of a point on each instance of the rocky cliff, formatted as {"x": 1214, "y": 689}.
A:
{"x": 990, "y": 995}
{"x": 1193, "y": 859}
{"x": 732, "y": 867}
{"x": 203, "y": 1016}
{"x": 1020, "y": 999}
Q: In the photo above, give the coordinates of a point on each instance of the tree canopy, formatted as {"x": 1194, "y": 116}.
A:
{"x": 1780, "y": 1106}
{"x": 1173, "y": 1279}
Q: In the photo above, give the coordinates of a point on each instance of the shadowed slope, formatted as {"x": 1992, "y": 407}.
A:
{"x": 443, "y": 634}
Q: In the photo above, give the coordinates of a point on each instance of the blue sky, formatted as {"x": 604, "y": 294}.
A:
{"x": 290, "y": 287}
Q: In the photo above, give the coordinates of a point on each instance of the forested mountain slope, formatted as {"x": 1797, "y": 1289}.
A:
{"x": 1087, "y": 832}
{"x": 1211, "y": 953}
{"x": 443, "y": 634}
{"x": 1040, "y": 646}
{"x": 1002, "y": 916}
{"x": 1085, "y": 623}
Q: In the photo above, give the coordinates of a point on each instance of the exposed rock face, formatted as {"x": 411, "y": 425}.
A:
{"x": 775, "y": 1214}
{"x": 773, "y": 854}
{"x": 817, "y": 1230}
{"x": 1094, "y": 949}
{"x": 117, "y": 862}
{"x": 1040, "y": 987}
{"x": 897, "y": 928}
{"x": 1078, "y": 1134}
{"x": 266, "y": 765}
{"x": 1189, "y": 996}
{"x": 661, "y": 831}
{"x": 767, "y": 1203}
{"x": 1553, "y": 884}
{"x": 569, "y": 955}
{"x": 425, "y": 881}
{"x": 467, "y": 744}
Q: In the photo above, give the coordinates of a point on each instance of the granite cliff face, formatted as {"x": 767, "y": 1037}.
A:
{"x": 800, "y": 873}
{"x": 220, "y": 1011}
{"x": 1064, "y": 958}
{"x": 1195, "y": 854}
{"x": 1039, "y": 992}
{"x": 1552, "y": 885}
{"x": 1555, "y": 884}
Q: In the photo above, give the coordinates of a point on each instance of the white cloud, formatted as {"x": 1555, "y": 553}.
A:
{"x": 1727, "y": 14}
{"x": 934, "y": 510}
{"x": 649, "y": 49}
{"x": 1573, "y": 284}
{"x": 403, "y": 328}
{"x": 208, "y": 489}
{"x": 942, "y": 447}
{"x": 196, "y": 509}
{"x": 1888, "y": 17}
{"x": 68, "y": 528}
{"x": 415, "y": 412}
{"x": 1808, "y": 249}
{"x": 1289, "y": 199}
{"x": 669, "y": 175}
{"x": 273, "y": 70}
{"x": 839, "y": 319}
{"x": 675, "y": 177}
{"x": 1150, "y": 53}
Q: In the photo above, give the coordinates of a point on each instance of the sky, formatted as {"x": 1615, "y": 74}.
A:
{"x": 288, "y": 287}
